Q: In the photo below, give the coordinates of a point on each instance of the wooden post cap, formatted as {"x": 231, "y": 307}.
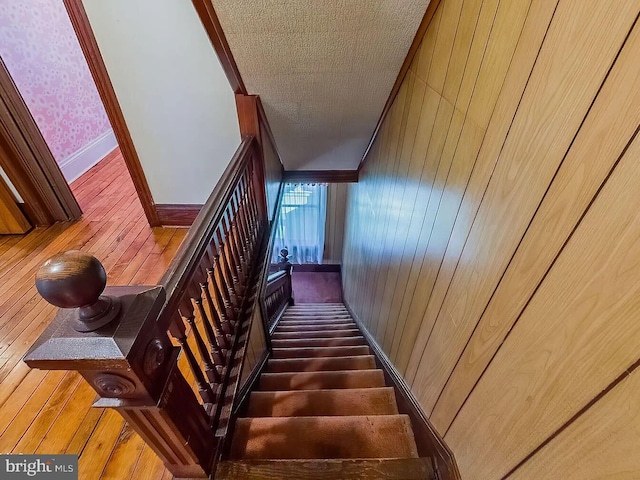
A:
{"x": 76, "y": 279}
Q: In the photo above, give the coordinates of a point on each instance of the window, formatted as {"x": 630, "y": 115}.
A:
{"x": 300, "y": 226}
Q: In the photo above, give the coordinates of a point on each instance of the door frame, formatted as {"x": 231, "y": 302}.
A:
{"x": 28, "y": 162}
{"x": 89, "y": 45}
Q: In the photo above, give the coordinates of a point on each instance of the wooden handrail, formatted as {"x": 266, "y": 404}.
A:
{"x": 165, "y": 356}
{"x": 185, "y": 263}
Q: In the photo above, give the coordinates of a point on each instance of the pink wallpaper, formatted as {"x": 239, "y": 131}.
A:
{"x": 41, "y": 52}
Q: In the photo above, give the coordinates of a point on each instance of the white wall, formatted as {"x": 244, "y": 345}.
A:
{"x": 174, "y": 95}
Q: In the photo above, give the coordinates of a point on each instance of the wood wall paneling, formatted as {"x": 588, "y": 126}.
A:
{"x": 579, "y": 452}
{"x": 562, "y": 87}
{"x": 474, "y": 248}
{"x": 576, "y": 336}
{"x": 612, "y": 121}
{"x": 334, "y": 228}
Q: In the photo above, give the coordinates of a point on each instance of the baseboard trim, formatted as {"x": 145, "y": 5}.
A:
{"x": 83, "y": 159}
{"x": 177, "y": 214}
{"x": 428, "y": 440}
{"x": 315, "y": 268}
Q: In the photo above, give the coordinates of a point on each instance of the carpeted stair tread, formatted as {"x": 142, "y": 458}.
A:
{"x": 360, "y": 362}
{"x": 319, "y": 352}
{"x": 302, "y": 328}
{"x": 371, "y": 378}
{"x": 303, "y": 403}
{"x": 328, "y": 469}
{"x": 308, "y": 334}
{"x": 376, "y": 436}
{"x": 317, "y": 342}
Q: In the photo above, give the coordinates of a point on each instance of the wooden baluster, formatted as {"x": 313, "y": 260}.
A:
{"x": 255, "y": 187}
{"x": 214, "y": 343}
{"x": 232, "y": 241}
{"x": 230, "y": 264}
{"x": 209, "y": 368}
{"x": 178, "y": 331}
{"x": 224, "y": 311}
{"x": 230, "y": 278}
{"x": 232, "y": 220}
{"x": 242, "y": 234}
{"x": 220, "y": 291}
{"x": 221, "y": 329}
{"x": 247, "y": 213}
{"x": 251, "y": 208}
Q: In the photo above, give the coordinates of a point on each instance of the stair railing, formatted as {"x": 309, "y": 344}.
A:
{"x": 168, "y": 357}
{"x": 278, "y": 293}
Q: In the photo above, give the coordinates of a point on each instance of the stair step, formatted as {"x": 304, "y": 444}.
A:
{"x": 316, "y": 321}
{"x": 372, "y": 378}
{"x": 361, "y": 362}
{"x": 315, "y": 334}
{"x": 306, "y": 403}
{"x": 377, "y": 436}
{"x": 319, "y": 352}
{"x": 317, "y": 342}
{"x": 315, "y": 314}
{"x": 333, "y": 326}
{"x": 328, "y": 469}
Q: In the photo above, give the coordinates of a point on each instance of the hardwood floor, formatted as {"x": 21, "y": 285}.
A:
{"x": 50, "y": 412}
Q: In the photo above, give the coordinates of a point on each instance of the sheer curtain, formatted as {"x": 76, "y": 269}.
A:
{"x": 300, "y": 226}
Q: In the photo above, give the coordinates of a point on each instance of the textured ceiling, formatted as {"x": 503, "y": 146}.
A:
{"x": 323, "y": 69}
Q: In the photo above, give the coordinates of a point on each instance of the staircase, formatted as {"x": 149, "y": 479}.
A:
{"x": 321, "y": 409}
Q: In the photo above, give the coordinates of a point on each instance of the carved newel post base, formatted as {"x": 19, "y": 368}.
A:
{"x": 113, "y": 338}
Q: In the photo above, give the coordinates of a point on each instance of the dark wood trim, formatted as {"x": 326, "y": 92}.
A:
{"x": 266, "y": 128}
{"x": 321, "y": 176}
{"x": 89, "y": 45}
{"x": 177, "y": 214}
{"x": 422, "y": 29}
{"x": 249, "y": 385}
{"x": 26, "y": 159}
{"x": 248, "y": 116}
{"x": 315, "y": 268}
{"x": 428, "y": 441}
{"x": 212, "y": 26}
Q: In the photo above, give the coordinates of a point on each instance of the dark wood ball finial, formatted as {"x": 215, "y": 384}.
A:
{"x": 75, "y": 279}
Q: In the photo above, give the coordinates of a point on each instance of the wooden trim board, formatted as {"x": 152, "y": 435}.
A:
{"x": 89, "y": 45}
{"x": 177, "y": 214}
{"x": 321, "y": 176}
{"x": 29, "y": 164}
{"x": 212, "y": 26}
{"x": 315, "y": 268}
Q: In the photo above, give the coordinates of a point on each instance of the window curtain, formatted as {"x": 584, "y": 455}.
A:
{"x": 301, "y": 223}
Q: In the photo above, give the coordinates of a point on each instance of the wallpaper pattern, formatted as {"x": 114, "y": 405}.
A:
{"x": 42, "y": 54}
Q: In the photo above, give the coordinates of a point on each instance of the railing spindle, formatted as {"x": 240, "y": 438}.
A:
{"x": 209, "y": 368}
{"x": 214, "y": 344}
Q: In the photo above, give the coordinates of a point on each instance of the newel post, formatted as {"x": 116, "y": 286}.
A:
{"x": 112, "y": 338}
{"x": 285, "y": 264}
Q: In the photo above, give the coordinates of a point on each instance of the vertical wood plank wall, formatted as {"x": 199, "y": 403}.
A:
{"x": 256, "y": 348}
{"x": 334, "y": 228}
{"x": 272, "y": 174}
{"x": 492, "y": 244}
